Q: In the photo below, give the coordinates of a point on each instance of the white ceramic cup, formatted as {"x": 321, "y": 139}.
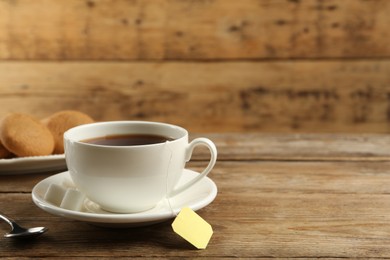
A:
{"x": 129, "y": 179}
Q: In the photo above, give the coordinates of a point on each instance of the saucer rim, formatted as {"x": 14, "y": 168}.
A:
{"x": 120, "y": 218}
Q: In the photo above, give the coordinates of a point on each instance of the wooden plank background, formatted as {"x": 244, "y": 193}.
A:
{"x": 209, "y": 65}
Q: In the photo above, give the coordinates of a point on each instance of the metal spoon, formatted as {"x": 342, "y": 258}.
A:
{"x": 21, "y": 232}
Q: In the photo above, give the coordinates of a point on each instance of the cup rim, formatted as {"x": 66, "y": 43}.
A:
{"x": 172, "y": 126}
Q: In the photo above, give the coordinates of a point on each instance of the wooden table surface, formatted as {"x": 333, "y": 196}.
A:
{"x": 284, "y": 195}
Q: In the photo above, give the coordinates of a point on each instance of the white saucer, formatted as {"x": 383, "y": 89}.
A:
{"x": 196, "y": 197}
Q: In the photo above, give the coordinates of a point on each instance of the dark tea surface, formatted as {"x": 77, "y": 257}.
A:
{"x": 128, "y": 140}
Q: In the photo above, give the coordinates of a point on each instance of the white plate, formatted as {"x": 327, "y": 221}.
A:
{"x": 32, "y": 164}
{"x": 196, "y": 197}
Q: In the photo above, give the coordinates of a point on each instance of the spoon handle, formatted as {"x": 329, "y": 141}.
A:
{"x": 10, "y": 221}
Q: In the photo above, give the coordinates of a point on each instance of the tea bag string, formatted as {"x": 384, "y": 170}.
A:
{"x": 167, "y": 180}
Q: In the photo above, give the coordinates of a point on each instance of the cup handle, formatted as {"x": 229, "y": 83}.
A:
{"x": 213, "y": 151}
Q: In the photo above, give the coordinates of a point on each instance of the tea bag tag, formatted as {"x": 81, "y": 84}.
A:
{"x": 192, "y": 228}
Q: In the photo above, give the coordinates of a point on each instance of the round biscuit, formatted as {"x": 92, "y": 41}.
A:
{"x": 24, "y": 135}
{"x": 62, "y": 121}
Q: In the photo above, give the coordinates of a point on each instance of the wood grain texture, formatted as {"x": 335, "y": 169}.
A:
{"x": 208, "y": 65}
{"x": 297, "y": 147}
{"x": 196, "y": 30}
{"x": 256, "y": 225}
{"x": 263, "y": 209}
{"x": 332, "y": 96}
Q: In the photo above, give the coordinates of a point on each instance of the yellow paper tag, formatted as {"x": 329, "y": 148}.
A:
{"x": 192, "y": 228}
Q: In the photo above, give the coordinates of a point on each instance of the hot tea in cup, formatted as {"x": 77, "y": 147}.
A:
{"x": 129, "y": 166}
